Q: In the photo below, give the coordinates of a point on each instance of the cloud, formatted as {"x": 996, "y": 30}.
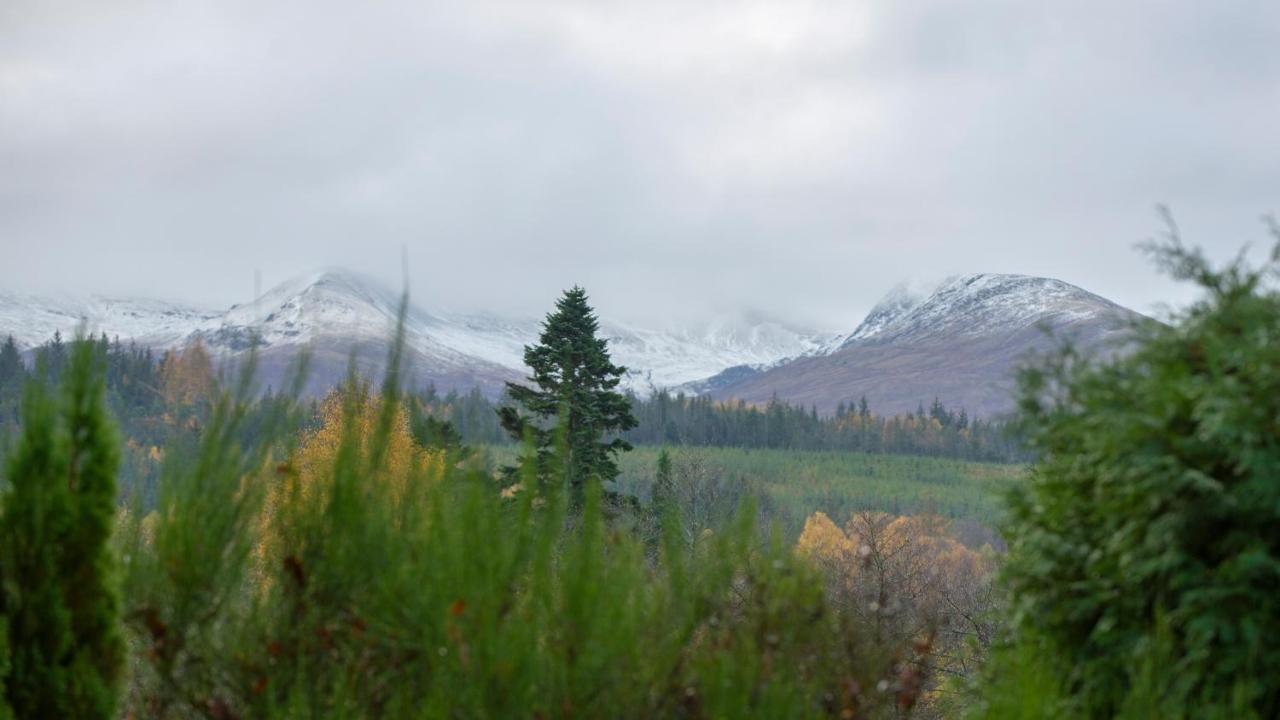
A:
{"x": 676, "y": 158}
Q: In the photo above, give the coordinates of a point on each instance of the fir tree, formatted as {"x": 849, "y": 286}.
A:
{"x": 576, "y": 384}
{"x": 60, "y": 607}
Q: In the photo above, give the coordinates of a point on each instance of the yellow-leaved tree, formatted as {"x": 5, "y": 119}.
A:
{"x": 187, "y": 377}
{"x": 906, "y": 579}
{"x": 350, "y": 419}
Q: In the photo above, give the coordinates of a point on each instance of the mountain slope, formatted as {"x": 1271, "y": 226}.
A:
{"x": 334, "y": 313}
{"x": 155, "y": 323}
{"x": 959, "y": 341}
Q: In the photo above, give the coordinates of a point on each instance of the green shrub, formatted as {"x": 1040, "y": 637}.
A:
{"x": 1145, "y": 547}
{"x": 366, "y": 589}
{"x": 59, "y": 599}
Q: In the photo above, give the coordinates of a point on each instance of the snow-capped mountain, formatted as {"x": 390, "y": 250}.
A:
{"x": 33, "y": 320}
{"x": 333, "y": 313}
{"x": 659, "y": 359}
{"x": 979, "y": 304}
{"x": 959, "y": 340}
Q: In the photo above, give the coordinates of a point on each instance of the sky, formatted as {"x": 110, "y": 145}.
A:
{"x": 677, "y": 158}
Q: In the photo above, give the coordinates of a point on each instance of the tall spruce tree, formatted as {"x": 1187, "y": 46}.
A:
{"x": 576, "y": 387}
{"x": 57, "y": 598}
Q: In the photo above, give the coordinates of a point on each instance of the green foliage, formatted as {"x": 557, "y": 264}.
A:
{"x": 681, "y": 421}
{"x": 60, "y": 600}
{"x": 664, "y": 419}
{"x": 663, "y": 493}
{"x": 1149, "y": 531}
{"x": 577, "y": 386}
{"x": 422, "y": 592}
{"x": 11, "y": 367}
{"x": 792, "y": 484}
{"x": 6, "y": 712}
{"x": 188, "y": 564}
{"x": 432, "y": 432}
{"x": 12, "y": 378}
{"x": 1022, "y": 680}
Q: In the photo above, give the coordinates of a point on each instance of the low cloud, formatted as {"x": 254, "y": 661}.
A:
{"x": 678, "y": 159}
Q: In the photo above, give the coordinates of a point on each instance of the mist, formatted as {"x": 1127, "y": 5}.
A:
{"x": 794, "y": 159}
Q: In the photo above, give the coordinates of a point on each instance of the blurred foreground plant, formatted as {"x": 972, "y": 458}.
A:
{"x": 415, "y": 587}
{"x": 1145, "y": 550}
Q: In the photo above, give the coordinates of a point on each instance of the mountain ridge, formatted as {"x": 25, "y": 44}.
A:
{"x": 960, "y": 341}
{"x": 335, "y": 311}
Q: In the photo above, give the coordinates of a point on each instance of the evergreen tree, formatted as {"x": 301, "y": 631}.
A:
{"x": 1145, "y": 546}
{"x": 52, "y": 357}
{"x": 59, "y": 603}
{"x": 12, "y": 373}
{"x": 663, "y": 484}
{"x": 10, "y": 364}
{"x": 576, "y": 384}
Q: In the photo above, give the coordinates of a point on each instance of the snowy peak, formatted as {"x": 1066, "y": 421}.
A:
{"x": 329, "y": 304}
{"x": 332, "y": 312}
{"x": 321, "y": 303}
{"x": 982, "y": 303}
{"x": 892, "y": 308}
{"x": 156, "y": 323}
{"x": 960, "y": 341}
{"x": 670, "y": 359}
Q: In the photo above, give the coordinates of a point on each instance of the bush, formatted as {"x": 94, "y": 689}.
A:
{"x": 60, "y": 603}
{"x": 1145, "y": 547}
{"x": 417, "y": 589}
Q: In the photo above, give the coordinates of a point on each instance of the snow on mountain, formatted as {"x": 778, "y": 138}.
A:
{"x": 334, "y": 310}
{"x": 896, "y": 304}
{"x": 323, "y": 305}
{"x": 978, "y": 304}
{"x": 34, "y": 320}
{"x": 665, "y": 360}
{"x": 959, "y": 340}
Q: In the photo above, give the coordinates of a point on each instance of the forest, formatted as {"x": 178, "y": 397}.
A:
{"x": 174, "y": 543}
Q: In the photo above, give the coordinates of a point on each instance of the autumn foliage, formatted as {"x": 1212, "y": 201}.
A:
{"x": 906, "y": 580}
{"x": 351, "y": 422}
{"x": 345, "y": 418}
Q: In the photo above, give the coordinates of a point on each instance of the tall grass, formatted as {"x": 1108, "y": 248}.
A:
{"x": 258, "y": 588}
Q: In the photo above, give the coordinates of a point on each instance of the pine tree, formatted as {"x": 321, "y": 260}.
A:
{"x": 576, "y": 384}
{"x": 60, "y": 607}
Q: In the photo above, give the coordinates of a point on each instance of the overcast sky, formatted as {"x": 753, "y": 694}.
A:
{"x": 676, "y": 158}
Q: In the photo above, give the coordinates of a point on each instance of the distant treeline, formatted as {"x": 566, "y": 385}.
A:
{"x": 151, "y": 393}
{"x": 156, "y": 399}
{"x": 665, "y": 419}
